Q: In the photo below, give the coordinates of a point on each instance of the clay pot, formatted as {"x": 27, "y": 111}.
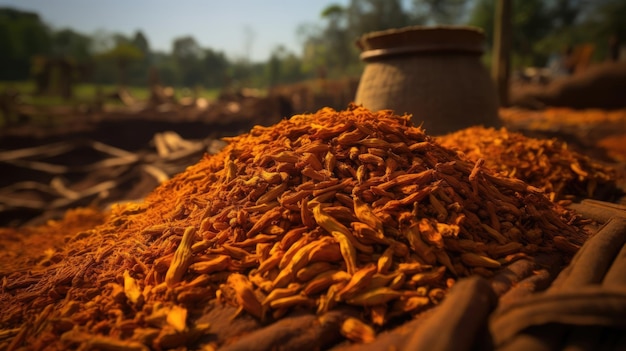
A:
{"x": 433, "y": 73}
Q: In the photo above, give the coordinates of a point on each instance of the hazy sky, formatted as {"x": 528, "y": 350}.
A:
{"x": 226, "y": 25}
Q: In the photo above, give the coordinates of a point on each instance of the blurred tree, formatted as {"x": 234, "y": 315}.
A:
{"x": 22, "y": 36}
{"x": 70, "y": 44}
{"x": 544, "y": 28}
{"x": 332, "y": 47}
{"x": 187, "y": 54}
{"x": 331, "y": 50}
{"x": 167, "y": 68}
{"x": 541, "y": 28}
{"x": 337, "y": 36}
{"x": 373, "y": 15}
{"x": 565, "y": 12}
{"x": 283, "y": 67}
{"x": 274, "y": 66}
{"x": 531, "y": 22}
{"x": 141, "y": 42}
{"x": 292, "y": 68}
{"x": 607, "y": 23}
{"x": 431, "y": 12}
{"x": 320, "y": 44}
{"x": 70, "y": 57}
{"x": 186, "y": 47}
{"x": 215, "y": 66}
{"x": 138, "y": 69}
{"x": 123, "y": 54}
{"x": 314, "y": 52}
{"x": 239, "y": 75}
{"x": 105, "y": 70}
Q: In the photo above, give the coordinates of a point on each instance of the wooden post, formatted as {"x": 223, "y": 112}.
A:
{"x": 501, "y": 50}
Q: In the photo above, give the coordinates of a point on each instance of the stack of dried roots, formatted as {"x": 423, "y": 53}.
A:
{"x": 545, "y": 163}
{"x": 319, "y": 211}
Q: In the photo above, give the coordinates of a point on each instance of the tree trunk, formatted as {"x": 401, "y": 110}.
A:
{"x": 501, "y": 50}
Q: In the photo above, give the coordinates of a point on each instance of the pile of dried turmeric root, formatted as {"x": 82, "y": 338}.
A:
{"x": 548, "y": 164}
{"x": 324, "y": 210}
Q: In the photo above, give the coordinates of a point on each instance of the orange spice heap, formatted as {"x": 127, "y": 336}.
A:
{"x": 545, "y": 163}
{"x": 334, "y": 208}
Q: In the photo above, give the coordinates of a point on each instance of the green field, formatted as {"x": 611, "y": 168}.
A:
{"x": 85, "y": 94}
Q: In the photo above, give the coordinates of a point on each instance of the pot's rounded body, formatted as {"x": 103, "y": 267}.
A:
{"x": 433, "y": 73}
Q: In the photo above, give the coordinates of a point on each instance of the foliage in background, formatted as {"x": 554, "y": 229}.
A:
{"x": 541, "y": 28}
{"x": 22, "y": 36}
